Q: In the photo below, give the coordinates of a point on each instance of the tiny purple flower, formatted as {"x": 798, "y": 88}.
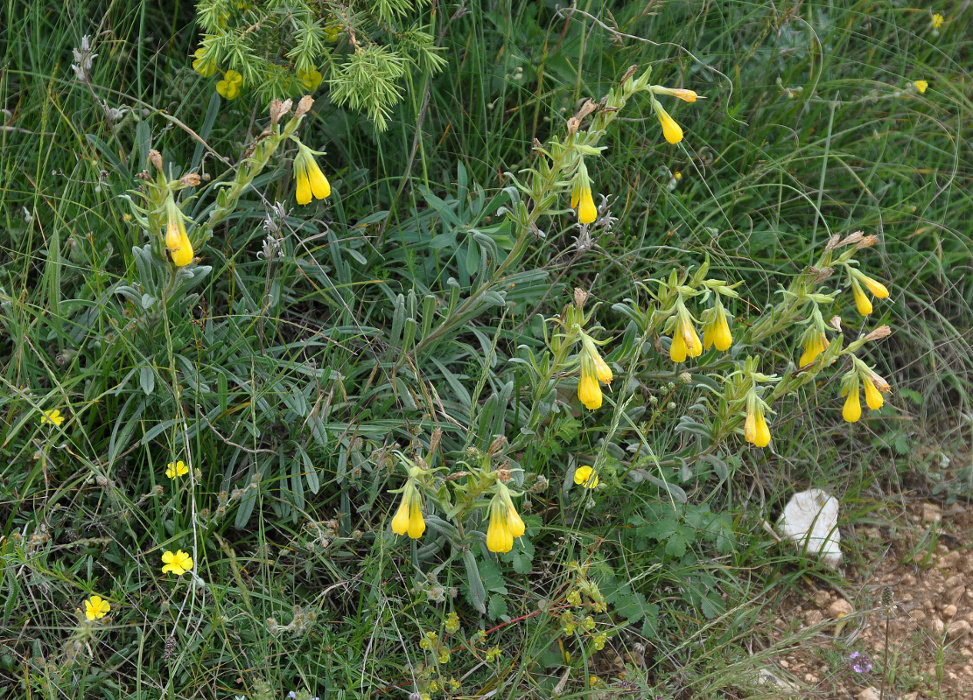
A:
{"x": 860, "y": 663}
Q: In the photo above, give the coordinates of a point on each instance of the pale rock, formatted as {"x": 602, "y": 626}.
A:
{"x": 908, "y": 580}
{"x": 812, "y": 618}
{"x": 767, "y": 677}
{"x": 957, "y": 629}
{"x": 937, "y": 626}
{"x": 810, "y": 519}
{"x": 954, "y": 581}
{"x": 821, "y": 598}
{"x": 868, "y": 693}
{"x": 931, "y": 513}
{"x": 949, "y": 611}
{"x": 948, "y": 560}
{"x": 839, "y": 608}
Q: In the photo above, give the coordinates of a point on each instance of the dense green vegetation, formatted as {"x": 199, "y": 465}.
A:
{"x": 417, "y": 335}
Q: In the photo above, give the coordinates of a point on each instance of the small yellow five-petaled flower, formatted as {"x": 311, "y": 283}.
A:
{"x": 96, "y": 607}
{"x": 178, "y": 563}
{"x": 175, "y": 469}
{"x": 54, "y": 417}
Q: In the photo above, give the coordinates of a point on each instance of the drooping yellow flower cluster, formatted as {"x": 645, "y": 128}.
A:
{"x": 755, "y": 428}
{"x": 875, "y": 386}
{"x": 670, "y": 129}
{"x": 310, "y": 180}
{"x": 408, "y": 518}
{"x": 685, "y": 339}
{"x": 862, "y": 302}
{"x": 505, "y": 524}
{"x": 594, "y": 372}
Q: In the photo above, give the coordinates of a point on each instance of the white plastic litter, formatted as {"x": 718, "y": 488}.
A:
{"x": 811, "y": 517}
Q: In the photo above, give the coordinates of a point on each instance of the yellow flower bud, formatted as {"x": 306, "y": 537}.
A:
{"x": 670, "y": 129}
{"x": 588, "y": 390}
{"x": 873, "y": 397}
{"x": 814, "y": 345}
{"x": 852, "y": 410}
{"x": 717, "y": 332}
{"x": 861, "y": 301}
{"x": 587, "y": 211}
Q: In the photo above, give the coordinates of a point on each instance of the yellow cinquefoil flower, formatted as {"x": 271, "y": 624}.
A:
{"x": 177, "y": 241}
{"x": 584, "y": 476}
{"x": 178, "y": 563}
{"x": 96, "y": 607}
{"x": 310, "y": 79}
{"x": 755, "y": 429}
{"x": 937, "y": 21}
{"x": 54, "y": 417}
{"x": 230, "y": 86}
{"x": 921, "y": 86}
{"x": 685, "y": 340}
{"x": 175, "y": 469}
{"x": 408, "y": 518}
{"x": 589, "y": 392}
{"x": 852, "y": 409}
{"x": 201, "y": 65}
{"x": 815, "y": 342}
{"x": 505, "y": 524}
{"x": 310, "y": 179}
{"x": 670, "y": 129}
{"x": 717, "y": 331}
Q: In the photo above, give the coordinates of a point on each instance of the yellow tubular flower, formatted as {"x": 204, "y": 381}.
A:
{"x": 178, "y": 243}
{"x": 678, "y": 349}
{"x": 589, "y": 392}
{"x": 408, "y": 518}
{"x": 694, "y": 348}
{"x": 670, "y": 129}
{"x": 499, "y": 537}
{"x": 602, "y": 369}
{"x": 575, "y": 195}
{"x": 583, "y": 476}
{"x": 873, "y": 397}
{"x": 178, "y": 563}
{"x": 514, "y": 522}
{"x": 717, "y": 332}
{"x": 861, "y": 301}
{"x": 878, "y": 290}
{"x": 310, "y": 179}
{"x": 587, "y": 211}
{"x": 96, "y": 607}
{"x": 852, "y": 410}
{"x": 755, "y": 429}
{"x": 814, "y": 345}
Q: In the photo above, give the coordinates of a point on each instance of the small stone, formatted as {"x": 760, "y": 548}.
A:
{"x": 918, "y": 615}
{"x": 955, "y": 594}
{"x": 822, "y": 598}
{"x": 784, "y": 663}
{"x": 908, "y": 580}
{"x": 937, "y": 626}
{"x": 949, "y": 560}
{"x": 812, "y": 617}
{"x": 906, "y": 598}
{"x": 954, "y": 581}
{"x": 910, "y": 696}
{"x": 868, "y": 693}
{"x": 811, "y": 678}
{"x": 949, "y": 611}
{"x": 957, "y": 629}
{"x": 839, "y": 608}
{"x": 931, "y": 513}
